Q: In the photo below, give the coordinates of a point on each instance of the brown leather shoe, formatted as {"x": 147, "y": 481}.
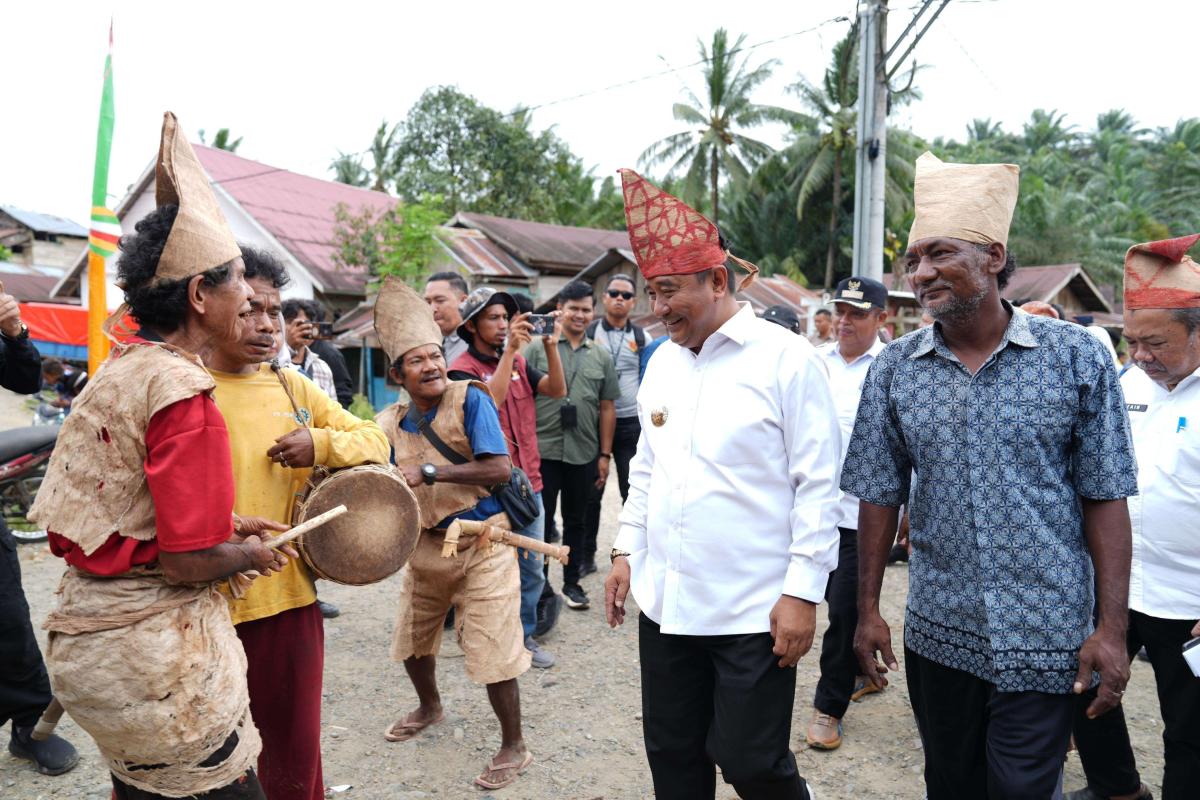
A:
{"x": 824, "y": 732}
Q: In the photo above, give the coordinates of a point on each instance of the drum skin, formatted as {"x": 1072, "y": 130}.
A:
{"x": 376, "y": 535}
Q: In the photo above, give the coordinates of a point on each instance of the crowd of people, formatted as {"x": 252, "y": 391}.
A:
{"x": 1047, "y": 504}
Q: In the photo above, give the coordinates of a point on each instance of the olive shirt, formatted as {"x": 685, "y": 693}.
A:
{"x": 590, "y": 377}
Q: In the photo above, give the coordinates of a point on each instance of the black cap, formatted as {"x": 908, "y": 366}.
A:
{"x": 477, "y": 301}
{"x": 861, "y": 293}
{"x": 784, "y": 316}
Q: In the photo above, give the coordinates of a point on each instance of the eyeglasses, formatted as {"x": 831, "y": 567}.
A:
{"x": 614, "y": 294}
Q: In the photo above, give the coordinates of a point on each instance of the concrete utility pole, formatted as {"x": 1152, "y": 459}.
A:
{"x": 870, "y": 161}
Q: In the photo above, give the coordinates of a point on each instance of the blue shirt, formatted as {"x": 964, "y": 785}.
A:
{"x": 482, "y": 422}
{"x": 1000, "y": 578}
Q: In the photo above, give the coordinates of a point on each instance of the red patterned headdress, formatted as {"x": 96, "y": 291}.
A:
{"x": 1162, "y": 275}
{"x": 668, "y": 236}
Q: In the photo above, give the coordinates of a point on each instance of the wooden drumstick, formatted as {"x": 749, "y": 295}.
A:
{"x": 50, "y": 717}
{"x": 501, "y": 536}
{"x": 239, "y": 582}
{"x": 304, "y": 527}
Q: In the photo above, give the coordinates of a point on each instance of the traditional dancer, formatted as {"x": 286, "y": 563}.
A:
{"x": 138, "y": 500}
{"x": 450, "y": 446}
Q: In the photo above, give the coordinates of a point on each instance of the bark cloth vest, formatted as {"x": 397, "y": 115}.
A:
{"x": 518, "y": 414}
{"x": 440, "y": 500}
{"x": 153, "y": 671}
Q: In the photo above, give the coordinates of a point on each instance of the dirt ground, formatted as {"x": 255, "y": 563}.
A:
{"x": 582, "y": 717}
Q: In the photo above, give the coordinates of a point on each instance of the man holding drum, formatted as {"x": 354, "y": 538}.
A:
{"x": 274, "y": 445}
{"x": 450, "y": 446}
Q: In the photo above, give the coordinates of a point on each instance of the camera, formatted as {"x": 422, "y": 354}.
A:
{"x": 541, "y": 324}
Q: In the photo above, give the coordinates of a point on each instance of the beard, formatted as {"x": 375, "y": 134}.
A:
{"x": 961, "y": 307}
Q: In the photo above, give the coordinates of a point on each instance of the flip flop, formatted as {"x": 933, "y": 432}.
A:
{"x": 492, "y": 766}
{"x": 408, "y": 730}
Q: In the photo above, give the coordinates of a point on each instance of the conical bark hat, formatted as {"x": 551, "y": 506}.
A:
{"x": 973, "y": 202}
{"x": 403, "y": 320}
{"x": 200, "y": 238}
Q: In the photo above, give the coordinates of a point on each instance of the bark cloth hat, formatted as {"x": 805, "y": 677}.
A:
{"x": 403, "y": 320}
{"x": 973, "y": 202}
{"x": 1162, "y": 274}
{"x": 669, "y": 237}
{"x": 200, "y": 238}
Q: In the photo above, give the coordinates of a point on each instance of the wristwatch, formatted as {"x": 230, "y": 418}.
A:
{"x": 606, "y": 455}
{"x": 615, "y": 554}
{"x": 429, "y": 474}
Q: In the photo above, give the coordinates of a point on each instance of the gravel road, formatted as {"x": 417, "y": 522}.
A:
{"x": 582, "y": 717}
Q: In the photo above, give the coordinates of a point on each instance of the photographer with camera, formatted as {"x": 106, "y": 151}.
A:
{"x": 575, "y": 433}
{"x": 495, "y": 333}
{"x": 301, "y": 317}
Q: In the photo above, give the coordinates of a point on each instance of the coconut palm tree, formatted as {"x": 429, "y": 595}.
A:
{"x": 822, "y": 145}
{"x": 716, "y": 144}
{"x": 348, "y": 168}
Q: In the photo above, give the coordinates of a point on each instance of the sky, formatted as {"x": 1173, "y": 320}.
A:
{"x": 301, "y": 81}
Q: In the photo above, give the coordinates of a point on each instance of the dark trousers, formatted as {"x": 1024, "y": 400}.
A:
{"x": 723, "y": 700}
{"x": 24, "y": 686}
{"x": 285, "y": 655}
{"x": 625, "y": 442}
{"x": 1103, "y": 743}
{"x": 984, "y": 744}
{"x": 246, "y": 787}
{"x": 839, "y": 665}
{"x": 572, "y": 484}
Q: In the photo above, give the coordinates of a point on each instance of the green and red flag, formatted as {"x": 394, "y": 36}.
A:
{"x": 106, "y": 228}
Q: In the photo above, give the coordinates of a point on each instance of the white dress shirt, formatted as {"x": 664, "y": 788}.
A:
{"x": 1165, "y": 579}
{"x": 846, "y": 383}
{"x": 733, "y": 490}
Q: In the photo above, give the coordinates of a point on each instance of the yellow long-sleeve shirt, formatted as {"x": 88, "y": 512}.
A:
{"x": 257, "y": 412}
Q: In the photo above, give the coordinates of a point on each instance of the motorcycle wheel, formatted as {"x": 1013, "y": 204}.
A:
{"x": 20, "y": 495}
{"x": 28, "y": 537}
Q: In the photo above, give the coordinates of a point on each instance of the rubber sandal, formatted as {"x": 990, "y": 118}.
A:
{"x": 518, "y": 770}
{"x": 409, "y": 730}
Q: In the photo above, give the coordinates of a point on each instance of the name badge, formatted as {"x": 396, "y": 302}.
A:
{"x": 1136, "y": 406}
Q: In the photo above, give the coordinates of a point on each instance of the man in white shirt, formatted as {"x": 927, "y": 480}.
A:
{"x": 1162, "y": 326}
{"x": 860, "y": 309}
{"x": 729, "y": 533}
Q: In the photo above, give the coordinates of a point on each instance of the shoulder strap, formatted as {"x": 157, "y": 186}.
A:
{"x": 291, "y": 397}
{"x": 591, "y": 328}
{"x": 449, "y": 453}
{"x": 639, "y": 336}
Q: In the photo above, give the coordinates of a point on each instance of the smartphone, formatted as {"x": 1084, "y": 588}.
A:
{"x": 322, "y": 330}
{"x": 543, "y": 324}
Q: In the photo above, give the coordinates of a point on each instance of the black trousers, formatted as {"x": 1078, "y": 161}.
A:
{"x": 573, "y": 485}
{"x": 246, "y": 787}
{"x": 717, "y": 700}
{"x": 24, "y": 685}
{"x": 1103, "y": 743}
{"x": 984, "y": 744}
{"x": 839, "y": 665}
{"x": 625, "y": 442}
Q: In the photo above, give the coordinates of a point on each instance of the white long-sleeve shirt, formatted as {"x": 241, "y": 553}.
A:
{"x": 733, "y": 497}
{"x": 1165, "y": 514}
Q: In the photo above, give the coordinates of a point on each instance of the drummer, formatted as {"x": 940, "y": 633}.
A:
{"x": 481, "y": 584}
{"x": 274, "y": 446}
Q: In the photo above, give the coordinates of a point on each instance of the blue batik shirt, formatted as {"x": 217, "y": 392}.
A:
{"x": 1000, "y": 578}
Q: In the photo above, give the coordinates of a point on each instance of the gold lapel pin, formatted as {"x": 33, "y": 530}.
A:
{"x": 659, "y": 417}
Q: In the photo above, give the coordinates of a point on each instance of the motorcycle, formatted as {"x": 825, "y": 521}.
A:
{"x": 24, "y": 455}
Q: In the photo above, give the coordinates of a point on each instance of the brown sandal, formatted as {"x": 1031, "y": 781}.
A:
{"x": 517, "y": 769}
{"x": 408, "y": 730}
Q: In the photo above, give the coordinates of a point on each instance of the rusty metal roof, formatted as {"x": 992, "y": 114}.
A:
{"x": 542, "y": 246}
{"x": 480, "y": 256}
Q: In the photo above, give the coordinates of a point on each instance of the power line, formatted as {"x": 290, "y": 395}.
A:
{"x": 650, "y": 76}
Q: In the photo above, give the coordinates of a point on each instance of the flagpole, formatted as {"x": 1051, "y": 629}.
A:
{"x": 106, "y": 228}
{"x": 97, "y": 312}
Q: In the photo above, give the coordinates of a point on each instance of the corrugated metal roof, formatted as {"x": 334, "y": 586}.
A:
{"x": 45, "y": 223}
{"x": 762, "y": 294}
{"x": 480, "y": 255}
{"x": 297, "y": 210}
{"x": 1043, "y": 283}
{"x": 27, "y": 285}
{"x": 539, "y": 244}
